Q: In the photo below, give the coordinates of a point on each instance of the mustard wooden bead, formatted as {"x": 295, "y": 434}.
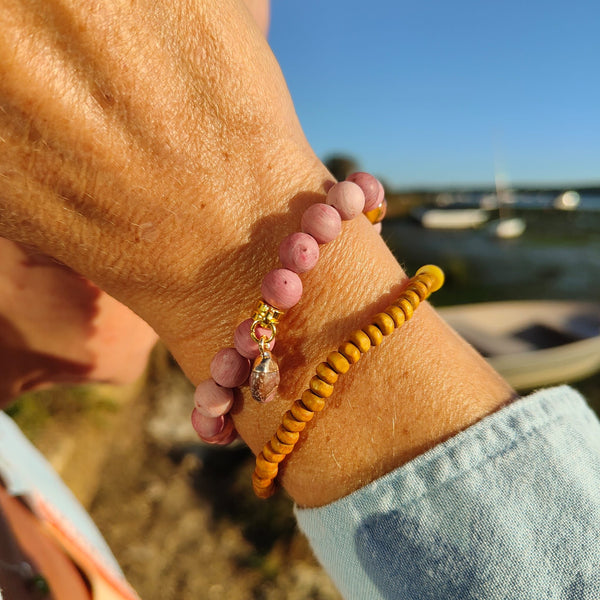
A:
{"x": 326, "y": 373}
{"x": 361, "y": 340}
{"x": 265, "y": 469}
{"x": 320, "y": 388}
{"x": 374, "y": 334}
{"x": 271, "y": 455}
{"x": 384, "y": 323}
{"x": 291, "y": 423}
{"x": 406, "y": 307}
{"x": 350, "y": 352}
{"x": 397, "y": 315}
{"x": 312, "y": 401}
{"x": 301, "y": 413}
{"x": 412, "y": 297}
{"x": 260, "y": 482}
{"x": 280, "y": 447}
{"x": 338, "y": 362}
{"x": 265, "y": 492}
{"x": 426, "y": 280}
{"x": 436, "y": 273}
{"x": 287, "y": 437}
{"x": 420, "y": 288}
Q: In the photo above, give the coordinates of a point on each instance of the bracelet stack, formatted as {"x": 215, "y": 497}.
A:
{"x": 427, "y": 280}
{"x": 281, "y": 289}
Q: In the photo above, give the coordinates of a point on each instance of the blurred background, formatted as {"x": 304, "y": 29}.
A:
{"x": 481, "y": 120}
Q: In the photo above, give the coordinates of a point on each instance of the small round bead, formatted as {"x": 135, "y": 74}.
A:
{"x": 207, "y": 427}
{"x": 225, "y": 440}
{"x": 281, "y": 288}
{"x": 229, "y": 368}
{"x": 265, "y": 492}
{"x": 280, "y": 447}
{"x": 435, "y": 272}
{"x": 244, "y": 344}
{"x": 300, "y": 412}
{"x": 426, "y": 280}
{"x": 361, "y": 340}
{"x": 260, "y": 482}
{"x": 312, "y": 401}
{"x": 420, "y": 288}
{"x": 299, "y": 252}
{"x": 322, "y": 221}
{"x": 350, "y": 352}
{"x": 378, "y": 213}
{"x": 212, "y": 400}
{"x": 338, "y": 362}
{"x": 291, "y": 423}
{"x": 406, "y": 308}
{"x": 326, "y": 373}
{"x": 397, "y": 315}
{"x": 384, "y": 323}
{"x": 412, "y": 297}
{"x": 370, "y": 187}
{"x": 347, "y": 198}
{"x": 374, "y": 334}
{"x": 272, "y": 456}
{"x": 265, "y": 469}
{"x": 226, "y": 436}
{"x": 287, "y": 437}
{"x": 320, "y": 388}
{"x": 377, "y": 227}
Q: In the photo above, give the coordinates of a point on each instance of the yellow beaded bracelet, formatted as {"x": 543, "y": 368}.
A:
{"x": 427, "y": 280}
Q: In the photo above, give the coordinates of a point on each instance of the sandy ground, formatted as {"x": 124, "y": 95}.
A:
{"x": 179, "y": 516}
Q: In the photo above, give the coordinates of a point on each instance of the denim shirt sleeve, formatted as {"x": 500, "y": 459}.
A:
{"x": 507, "y": 509}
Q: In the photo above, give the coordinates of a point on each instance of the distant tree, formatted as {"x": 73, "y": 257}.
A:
{"x": 341, "y": 165}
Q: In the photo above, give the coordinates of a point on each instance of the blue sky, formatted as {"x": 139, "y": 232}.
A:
{"x": 446, "y": 92}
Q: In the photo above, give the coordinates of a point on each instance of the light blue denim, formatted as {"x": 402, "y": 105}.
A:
{"x": 508, "y": 509}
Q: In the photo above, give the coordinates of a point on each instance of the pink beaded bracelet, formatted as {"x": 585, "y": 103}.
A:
{"x": 281, "y": 289}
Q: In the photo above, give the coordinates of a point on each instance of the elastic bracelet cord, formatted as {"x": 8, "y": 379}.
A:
{"x": 281, "y": 289}
{"x": 427, "y": 280}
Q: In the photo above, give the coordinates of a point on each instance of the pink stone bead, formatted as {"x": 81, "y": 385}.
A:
{"x": 212, "y": 400}
{"x": 322, "y": 221}
{"x": 371, "y": 188}
{"x": 299, "y": 252}
{"x": 207, "y": 427}
{"x": 244, "y": 344}
{"x": 229, "y": 368}
{"x": 226, "y": 435}
{"x": 281, "y": 288}
{"x": 347, "y": 198}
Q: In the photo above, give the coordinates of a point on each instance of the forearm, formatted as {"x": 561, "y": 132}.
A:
{"x": 157, "y": 153}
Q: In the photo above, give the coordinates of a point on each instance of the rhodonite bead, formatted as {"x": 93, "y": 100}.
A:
{"x": 299, "y": 252}
{"x": 371, "y": 188}
{"x": 229, "y": 368}
{"x": 211, "y": 399}
{"x": 244, "y": 344}
{"x": 347, "y": 198}
{"x": 281, "y": 288}
{"x": 207, "y": 427}
{"x": 322, "y": 221}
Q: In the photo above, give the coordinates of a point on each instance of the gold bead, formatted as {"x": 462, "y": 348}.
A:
{"x": 291, "y": 423}
{"x": 280, "y": 447}
{"x": 271, "y": 455}
{"x": 384, "y": 322}
{"x": 301, "y": 413}
{"x": 406, "y": 307}
{"x": 265, "y": 469}
{"x": 412, "y": 297}
{"x": 361, "y": 340}
{"x": 436, "y": 273}
{"x": 326, "y": 373}
{"x": 395, "y": 312}
{"x": 338, "y": 362}
{"x": 350, "y": 352}
{"x": 374, "y": 334}
{"x": 420, "y": 288}
{"x": 265, "y": 492}
{"x": 312, "y": 401}
{"x": 320, "y": 388}
{"x": 287, "y": 437}
{"x": 261, "y": 482}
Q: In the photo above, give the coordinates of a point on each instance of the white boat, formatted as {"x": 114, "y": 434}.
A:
{"x": 450, "y": 218}
{"x": 532, "y": 343}
{"x": 508, "y": 228}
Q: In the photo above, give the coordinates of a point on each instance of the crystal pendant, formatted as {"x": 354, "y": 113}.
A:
{"x": 264, "y": 378}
